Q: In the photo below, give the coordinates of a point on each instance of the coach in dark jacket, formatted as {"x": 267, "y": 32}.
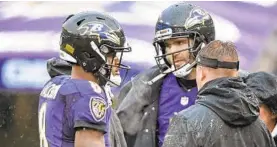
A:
{"x": 226, "y": 112}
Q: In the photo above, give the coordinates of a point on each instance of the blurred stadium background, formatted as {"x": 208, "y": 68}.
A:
{"x": 29, "y": 35}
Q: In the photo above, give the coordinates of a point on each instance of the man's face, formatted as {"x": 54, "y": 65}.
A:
{"x": 114, "y": 61}
{"x": 175, "y": 45}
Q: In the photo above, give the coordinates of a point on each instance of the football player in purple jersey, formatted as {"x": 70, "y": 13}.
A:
{"x": 74, "y": 110}
{"x": 154, "y": 96}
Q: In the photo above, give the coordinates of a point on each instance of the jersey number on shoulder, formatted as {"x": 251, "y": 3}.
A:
{"x": 42, "y": 128}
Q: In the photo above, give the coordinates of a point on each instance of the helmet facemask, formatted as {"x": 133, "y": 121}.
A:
{"x": 168, "y": 65}
{"x": 112, "y": 71}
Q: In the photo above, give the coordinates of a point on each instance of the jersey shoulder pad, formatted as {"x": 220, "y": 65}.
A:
{"x": 81, "y": 86}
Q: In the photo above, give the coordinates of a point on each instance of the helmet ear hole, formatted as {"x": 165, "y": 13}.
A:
{"x": 89, "y": 63}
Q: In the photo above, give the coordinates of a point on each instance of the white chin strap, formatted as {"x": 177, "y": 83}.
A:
{"x": 182, "y": 72}
{"x": 109, "y": 94}
{"x": 115, "y": 80}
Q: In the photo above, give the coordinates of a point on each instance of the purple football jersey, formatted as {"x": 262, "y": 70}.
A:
{"x": 67, "y": 104}
{"x": 173, "y": 99}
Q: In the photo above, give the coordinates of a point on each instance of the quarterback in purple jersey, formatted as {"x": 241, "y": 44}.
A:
{"x": 154, "y": 96}
{"x": 74, "y": 111}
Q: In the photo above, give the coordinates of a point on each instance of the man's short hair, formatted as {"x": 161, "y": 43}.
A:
{"x": 220, "y": 50}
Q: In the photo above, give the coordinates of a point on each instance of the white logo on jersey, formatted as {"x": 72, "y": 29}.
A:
{"x": 184, "y": 100}
{"x": 98, "y": 108}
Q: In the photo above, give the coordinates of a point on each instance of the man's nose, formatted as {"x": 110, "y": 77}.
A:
{"x": 175, "y": 48}
{"x": 116, "y": 61}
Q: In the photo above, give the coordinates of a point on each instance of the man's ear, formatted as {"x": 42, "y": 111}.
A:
{"x": 199, "y": 76}
{"x": 274, "y": 116}
{"x": 203, "y": 73}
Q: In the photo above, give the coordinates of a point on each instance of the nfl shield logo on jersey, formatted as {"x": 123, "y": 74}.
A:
{"x": 184, "y": 100}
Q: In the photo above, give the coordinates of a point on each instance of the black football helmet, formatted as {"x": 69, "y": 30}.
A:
{"x": 182, "y": 20}
{"x": 88, "y": 38}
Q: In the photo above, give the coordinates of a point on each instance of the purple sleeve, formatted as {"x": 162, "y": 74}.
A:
{"x": 90, "y": 112}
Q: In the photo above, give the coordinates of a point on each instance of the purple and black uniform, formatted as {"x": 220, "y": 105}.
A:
{"x": 173, "y": 99}
{"x": 67, "y": 104}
